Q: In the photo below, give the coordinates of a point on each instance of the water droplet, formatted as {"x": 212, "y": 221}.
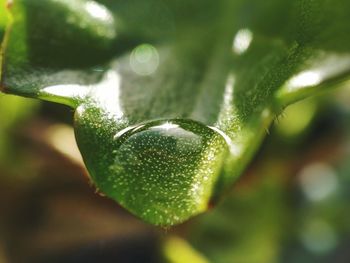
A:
{"x": 165, "y": 171}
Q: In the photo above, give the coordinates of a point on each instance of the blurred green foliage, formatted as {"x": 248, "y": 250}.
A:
{"x": 14, "y": 113}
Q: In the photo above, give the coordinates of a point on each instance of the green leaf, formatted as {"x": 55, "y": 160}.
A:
{"x": 3, "y": 19}
{"x": 173, "y": 98}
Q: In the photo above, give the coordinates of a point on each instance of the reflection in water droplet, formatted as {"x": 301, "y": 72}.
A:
{"x": 242, "y": 41}
{"x": 144, "y": 59}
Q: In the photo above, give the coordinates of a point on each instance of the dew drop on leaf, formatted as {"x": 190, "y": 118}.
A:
{"x": 163, "y": 171}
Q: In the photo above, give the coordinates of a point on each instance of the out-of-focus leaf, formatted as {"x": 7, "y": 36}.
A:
{"x": 3, "y": 19}
{"x": 229, "y": 233}
{"x": 172, "y": 98}
{"x": 177, "y": 250}
{"x": 14, "y": 111}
